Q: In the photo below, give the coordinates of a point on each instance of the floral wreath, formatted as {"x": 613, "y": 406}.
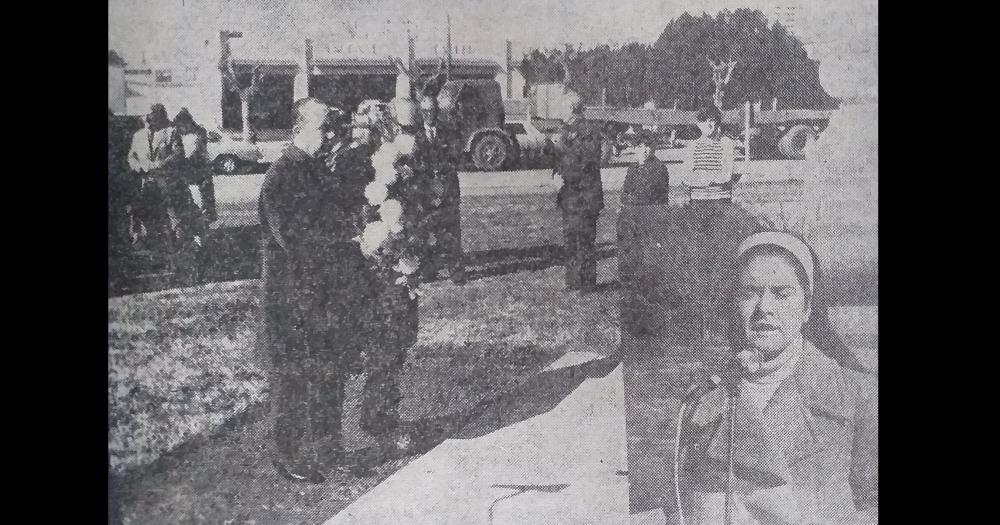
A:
{"x": 394, "y": 237}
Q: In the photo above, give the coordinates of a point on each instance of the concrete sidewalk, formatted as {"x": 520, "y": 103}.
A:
{"x": 565, "y": 465}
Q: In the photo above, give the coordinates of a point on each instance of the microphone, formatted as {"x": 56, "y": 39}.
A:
{"x": 750, "y": 361}
{"x": 698, "y": 390}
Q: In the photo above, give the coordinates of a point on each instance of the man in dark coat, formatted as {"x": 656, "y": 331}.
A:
{"x": 123, "y": 189}
{"x": 443, "y": 145}
{"x": 316, "y": 284}
{"x": 643, "y": 228}
{"x": 581, "y": 198}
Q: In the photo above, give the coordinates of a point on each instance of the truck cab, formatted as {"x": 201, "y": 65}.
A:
{"x": 474, "y": 108}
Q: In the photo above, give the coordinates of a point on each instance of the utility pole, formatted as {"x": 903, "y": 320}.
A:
{"x": 300, "y": 87}
{"x": 448, "y": 70}
{"x": 510, "y": 74}
{"x": 412, "y": 54}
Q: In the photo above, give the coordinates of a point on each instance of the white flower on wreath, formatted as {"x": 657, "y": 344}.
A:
{"x": 376, "y": 192}
{"x": 373, "y": 237}
{"x": 391, "y": 211}
{"x": 405, "y": 144}
{"x": 407, "y": 265}
{"x": 384, "y": 163}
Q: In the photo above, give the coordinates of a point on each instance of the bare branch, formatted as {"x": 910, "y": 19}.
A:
{"x": 729, "y": 73}
{"x": 433, "y": 84}
{"x": 255, "y": 75}
{"x": 229, "y": 74}
{"x": 400, "y": 67}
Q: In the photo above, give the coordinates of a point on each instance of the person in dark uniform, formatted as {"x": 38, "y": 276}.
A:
{"x": 123, "y": 190}
{"x": 642, "y": 224}
{"x": 581, "y": 198}
{"x": 316, "y": 286}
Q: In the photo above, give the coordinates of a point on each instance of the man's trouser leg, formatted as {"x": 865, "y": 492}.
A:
{"x": 456, "y": 261}
{"x": 184, "y": 215}
{"x": 696, "y": 234}
{"x": 382, "y": 395}
{"x": 186, "y": 223}
{"x": 207, "y": 191}
{"x": 290, "y": 393}
{"x": 588, "y": 253}
{"x": 333, "y": 349}
{"x": 151, "y": 213}
{"x": 387, "y": 355}
{"x": 571, "y": 249}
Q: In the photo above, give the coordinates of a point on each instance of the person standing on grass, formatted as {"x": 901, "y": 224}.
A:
{"x": 645, "y": 196}
{"x": 155, "y": 154}
{"x": 581, "y": 197}
{"x": 713, "y": 224}
{"x": 316, "y": 289}
{"x": 442, "y": 143}
{"x": 196, "y": 168}
{"x": 167, "y": 210}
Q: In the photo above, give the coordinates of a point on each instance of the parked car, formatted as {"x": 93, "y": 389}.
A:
{"x": 228, "y": 151}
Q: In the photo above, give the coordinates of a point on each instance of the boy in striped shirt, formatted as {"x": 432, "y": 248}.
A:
{"x": 711, "y": 158}
{"x": 714, "y": 224}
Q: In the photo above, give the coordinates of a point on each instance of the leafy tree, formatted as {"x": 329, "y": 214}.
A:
{"x": 770, "y": 63}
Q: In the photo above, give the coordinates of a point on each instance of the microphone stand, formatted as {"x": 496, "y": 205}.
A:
{"x": 730, "y": 476}
{"x": 732, "y": 388}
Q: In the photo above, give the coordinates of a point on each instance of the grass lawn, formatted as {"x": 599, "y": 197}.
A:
{"x": 179, "y": 363}
{"x": 191, "y": 354}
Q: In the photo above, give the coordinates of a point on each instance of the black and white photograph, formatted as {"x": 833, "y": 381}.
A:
{"x": 492, "y": 262}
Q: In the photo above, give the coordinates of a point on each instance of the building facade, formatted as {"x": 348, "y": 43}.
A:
{"x": 343, "y": 67}
{"x": 116, "y": 83}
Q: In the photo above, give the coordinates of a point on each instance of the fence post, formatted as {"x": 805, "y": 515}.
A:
{"x": 747, "y": 122}
{"x": 300, "y": 86}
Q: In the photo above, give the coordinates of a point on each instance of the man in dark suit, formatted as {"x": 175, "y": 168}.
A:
{"x": 581, "y": 198}
{"x": 442, "y": 142}
{"x": 316, "y": 286}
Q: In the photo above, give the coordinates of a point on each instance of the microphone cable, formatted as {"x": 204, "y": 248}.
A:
{"x": 714, "y": 381}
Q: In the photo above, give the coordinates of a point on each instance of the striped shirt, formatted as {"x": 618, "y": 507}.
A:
{"x": 711, "y": 168}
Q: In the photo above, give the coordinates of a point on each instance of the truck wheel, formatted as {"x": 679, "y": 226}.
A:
{"x": 489, "y": 153}
{"x": 793, "y": 144}
{"x": 227, "y": 164}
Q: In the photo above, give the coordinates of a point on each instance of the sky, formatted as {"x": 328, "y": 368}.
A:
{"x": 842, "y": 33}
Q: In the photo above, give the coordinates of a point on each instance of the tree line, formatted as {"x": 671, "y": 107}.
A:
{"x": 771, "y": 63}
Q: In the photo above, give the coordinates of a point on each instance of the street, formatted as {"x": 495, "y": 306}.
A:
{"x": 236, "y": 195}
{"x": 510, "y": 221}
